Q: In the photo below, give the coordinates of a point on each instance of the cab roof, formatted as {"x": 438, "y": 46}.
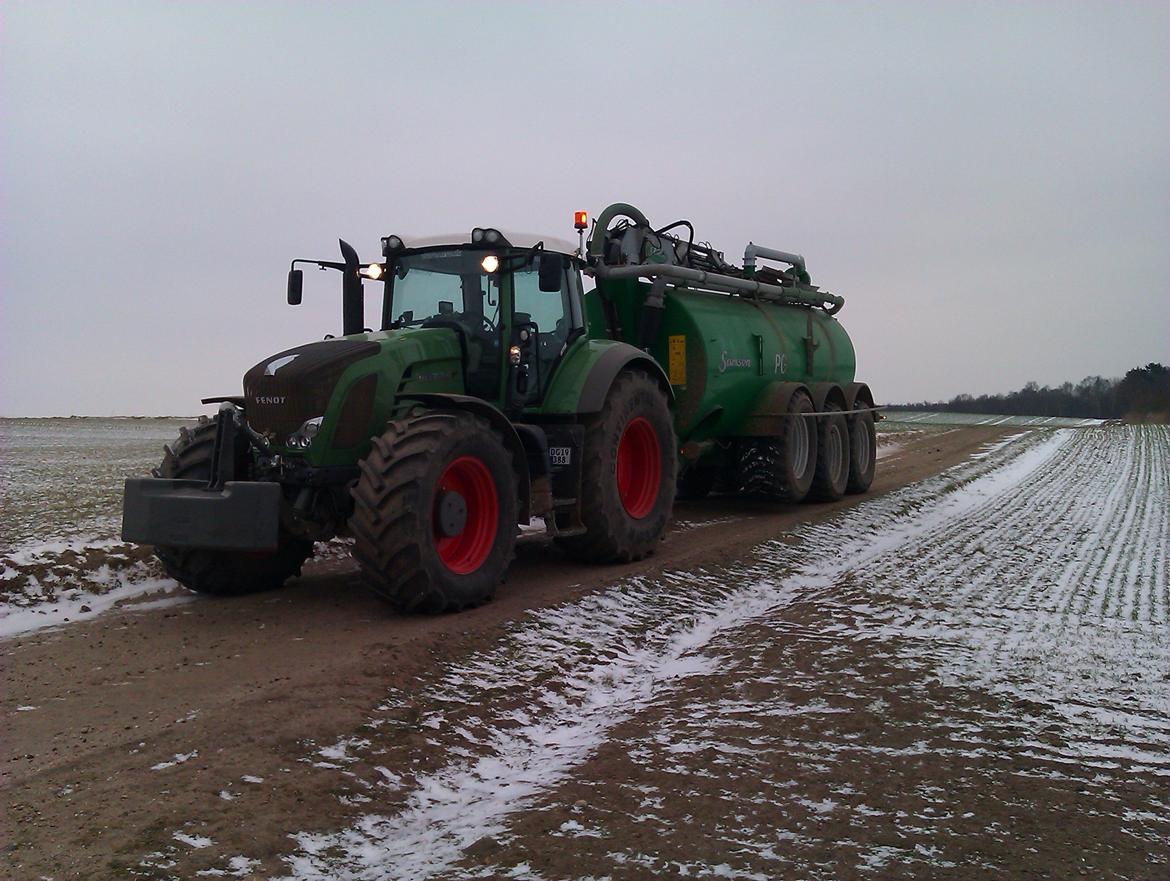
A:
{"x": 515, "y": 239}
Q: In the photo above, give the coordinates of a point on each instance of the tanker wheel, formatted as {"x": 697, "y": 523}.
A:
{"x": 832, "y": 471}
{"x": 781, "y": 468}
{"x": 862, "y": 452}
{"x": 628, "y": 478}
{"x": 435, "y": 513}
{"x": 696, "y": 483}
{"x": 225, "y": 573}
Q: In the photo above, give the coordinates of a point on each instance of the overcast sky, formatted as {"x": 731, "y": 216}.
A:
{"x": 988, "y": 185}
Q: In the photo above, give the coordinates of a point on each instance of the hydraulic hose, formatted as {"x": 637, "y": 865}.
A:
{"x": 601, "y": 225}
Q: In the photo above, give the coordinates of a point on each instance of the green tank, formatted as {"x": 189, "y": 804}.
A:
{"x": 736, "y": 343}
{"x": 724, "y": 355}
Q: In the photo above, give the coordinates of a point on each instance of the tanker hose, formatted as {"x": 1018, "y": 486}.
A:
{"x": 597, "y": 240}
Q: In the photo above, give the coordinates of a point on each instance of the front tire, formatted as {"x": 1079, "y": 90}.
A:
{"x": 435, "y": 513}
{"x": 223, "y": 573}
{"x": 628, "y": 479}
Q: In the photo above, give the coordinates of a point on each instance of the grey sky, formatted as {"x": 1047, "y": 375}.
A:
{"x": 988, "y": 185}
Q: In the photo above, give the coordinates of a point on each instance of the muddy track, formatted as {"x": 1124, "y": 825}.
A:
{"x": 123, "y": 731}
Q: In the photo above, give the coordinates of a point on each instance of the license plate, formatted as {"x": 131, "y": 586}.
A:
{"x": 560, "y": 455}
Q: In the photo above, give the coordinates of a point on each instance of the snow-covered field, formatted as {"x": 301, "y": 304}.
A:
{"x": 62, "y": 478}
{"x": 931, "y": 417}
{"x": 967, "y": 677}
{"x": 61, "y": 557}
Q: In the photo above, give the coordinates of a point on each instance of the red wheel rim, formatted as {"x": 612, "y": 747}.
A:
{"x": 465, "y": 552}
{"x": 639, "y": 467}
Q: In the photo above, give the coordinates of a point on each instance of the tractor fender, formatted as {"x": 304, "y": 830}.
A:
{"x": 826, "y": 393}
{"x": 616, "y": 358}
{"x": 767, "y": 417}
{"x": 501, "y": 424}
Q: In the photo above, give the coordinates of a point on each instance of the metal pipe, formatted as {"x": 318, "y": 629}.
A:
{"x": 724, "y": 283}
{"x": 601, "y": 224}
{"x": 353, "y": 304}
{"x": 753, "y": 250}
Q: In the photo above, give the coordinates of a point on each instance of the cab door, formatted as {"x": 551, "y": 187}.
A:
{"x": 545, "y": 319}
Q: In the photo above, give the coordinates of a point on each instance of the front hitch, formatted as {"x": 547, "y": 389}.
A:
{"x": 230, "y": 425}
{"x": 223, "y": 454}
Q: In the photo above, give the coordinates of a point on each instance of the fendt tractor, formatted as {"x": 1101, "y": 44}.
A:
{"x": 497, "y": 389}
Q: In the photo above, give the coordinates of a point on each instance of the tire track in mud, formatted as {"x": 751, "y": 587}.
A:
{"x": 512, "y": 733}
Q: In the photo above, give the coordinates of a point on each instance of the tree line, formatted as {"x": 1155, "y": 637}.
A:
{"x": 1142, "y": 391}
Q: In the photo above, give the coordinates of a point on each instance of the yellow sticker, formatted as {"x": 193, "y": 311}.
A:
{"x": 676, "y": 347}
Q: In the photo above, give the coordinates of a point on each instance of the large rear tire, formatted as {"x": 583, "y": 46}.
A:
{"x": 781, "y": 468}
{"x": 224, "y": 573}
{"x": 832, "y": 472}
{"x": 435, "y": 513}
{"x": 628, "y": 479}
{"x": 862, "y": 452}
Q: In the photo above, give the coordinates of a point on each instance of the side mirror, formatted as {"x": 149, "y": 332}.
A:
{"x": 295, "y": 282}
{"x": 552, "y": 272}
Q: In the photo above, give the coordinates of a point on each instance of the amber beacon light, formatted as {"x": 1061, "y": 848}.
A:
{"x": 580, "y": 219}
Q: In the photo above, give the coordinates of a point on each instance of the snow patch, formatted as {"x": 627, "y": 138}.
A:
{"x": 177, "y": 760}
{"x": 194, "y": 841}
{"x": 83, "y": 607}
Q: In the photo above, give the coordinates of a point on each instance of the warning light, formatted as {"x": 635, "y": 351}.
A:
{"x": 580, "y": 219}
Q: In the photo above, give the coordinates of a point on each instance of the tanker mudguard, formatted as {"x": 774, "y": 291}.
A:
{"x": 605, "y": 370}
{"x": 858, "y": 396}
{"x": 500, "y": 423}
{"x": 827, "y": 393}
{"x": 767, "y": 416}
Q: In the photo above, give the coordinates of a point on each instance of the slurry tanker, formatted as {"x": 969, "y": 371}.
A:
{"x": 507, "y": 379}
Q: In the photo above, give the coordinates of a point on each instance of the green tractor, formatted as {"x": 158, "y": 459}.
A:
{"x": 499, "y": 386}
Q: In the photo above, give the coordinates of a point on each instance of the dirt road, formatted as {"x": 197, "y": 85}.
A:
{"x": 160, "y": 741}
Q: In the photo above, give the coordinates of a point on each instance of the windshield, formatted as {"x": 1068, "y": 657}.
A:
{"x": 450, "y": 288}
{"x": 443, "y": 285}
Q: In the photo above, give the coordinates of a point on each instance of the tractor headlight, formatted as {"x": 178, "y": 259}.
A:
{"x": 302, "y": 438}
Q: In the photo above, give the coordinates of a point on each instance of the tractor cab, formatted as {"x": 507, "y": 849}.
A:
{"x": 513, "y": 302}
{"x": 515, "y": 309}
